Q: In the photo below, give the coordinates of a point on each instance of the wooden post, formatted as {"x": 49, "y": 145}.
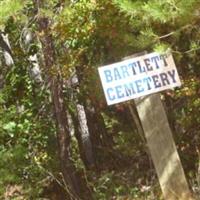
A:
{"x": 162, "y": 147}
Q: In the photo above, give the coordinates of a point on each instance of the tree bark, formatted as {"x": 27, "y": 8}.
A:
{"x": 7, "y": 56}
{"x": 85, "y": 136}
{"x": 34, "y": 69}
{"x": 95, "y": 123}
{"x": 83, "y": 132}
{"x": 5, "y": 45}
{"x": 67, "y": 167}
{"x": 98, "y": 132}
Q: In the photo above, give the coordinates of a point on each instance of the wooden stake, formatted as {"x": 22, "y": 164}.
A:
{"x": 162, "y": 147}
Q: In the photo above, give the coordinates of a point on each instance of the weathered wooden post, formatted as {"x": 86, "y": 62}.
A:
{"x": 134, "y": 78}
{"x": 162, "y": 148}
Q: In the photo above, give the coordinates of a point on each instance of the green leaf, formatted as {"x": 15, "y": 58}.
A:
{"x": 9, "y": 126}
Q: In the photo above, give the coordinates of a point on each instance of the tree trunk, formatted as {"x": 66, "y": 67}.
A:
{"x": 34, "y": 69}
{"x": 95, "y": 123}
{"x": 63, "y": 135}
{"x": 67, "y": 166}
{"x": 99, "y": 137}
{"x": 83, "y": 132}
{"x": 85, "y": 136}
{"x": 5, "y": 45}
{"x": 7, "y": 55}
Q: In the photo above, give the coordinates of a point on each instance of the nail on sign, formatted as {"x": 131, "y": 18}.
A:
{"x": 139, "y": 76}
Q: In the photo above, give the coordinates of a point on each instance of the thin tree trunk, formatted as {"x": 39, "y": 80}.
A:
{"x": 67, "y": 166}
{"x": 82, "y": 146}
{"x": 85, "y": 135}
{"x": 83, "y": 132}
{"x": 34, "y": 69}
{"x": 7, "y": 52}
{"x": 63, "y": 135}
{"x": 99, "y": 136}
{"x": 95, "y": 123}
{"x": 7, "y": 56}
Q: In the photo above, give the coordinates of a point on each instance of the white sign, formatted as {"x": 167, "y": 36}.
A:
{"x": 138, "y": 76}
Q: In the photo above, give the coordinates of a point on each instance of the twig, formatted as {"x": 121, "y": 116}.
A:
{"x": 173, "y": 32}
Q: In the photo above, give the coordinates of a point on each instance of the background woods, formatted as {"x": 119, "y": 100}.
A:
{"x": 58, "y": 138}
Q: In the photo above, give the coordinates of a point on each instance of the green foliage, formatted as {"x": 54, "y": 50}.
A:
{"x": 170, "y": 11}
{"x": 9, "y": 8}
{"x": 27, "y": 135}
{"x": 156, "y": 19}
{"x": 131, "y": 8}
{"x": 87, "y": 34}
{"x": 111, "y": 185}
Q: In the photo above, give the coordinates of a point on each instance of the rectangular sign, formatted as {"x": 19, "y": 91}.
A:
{"x": 139, "y": 76}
